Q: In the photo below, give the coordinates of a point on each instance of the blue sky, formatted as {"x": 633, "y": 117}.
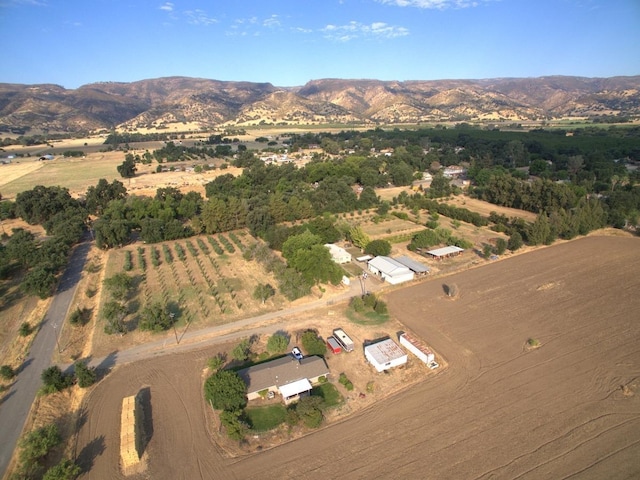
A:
{"x": 289, "y": 42}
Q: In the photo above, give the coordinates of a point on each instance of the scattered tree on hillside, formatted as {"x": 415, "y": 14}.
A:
{"x": 128, "y": 168}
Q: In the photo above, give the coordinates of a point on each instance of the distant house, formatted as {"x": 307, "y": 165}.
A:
{"x": 390, "y": 270}
{"x": 338, "y": 254}
{"x": 285, "y": 376}
{"x": 385, "y": 355}
{"x": 454, "y": 171}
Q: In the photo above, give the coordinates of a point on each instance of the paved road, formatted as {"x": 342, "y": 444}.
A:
{"x": 17, "y": 402}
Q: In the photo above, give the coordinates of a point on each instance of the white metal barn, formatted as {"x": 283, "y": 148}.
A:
{"x": 385, "y": 355}
{"x": 390, "y": 270}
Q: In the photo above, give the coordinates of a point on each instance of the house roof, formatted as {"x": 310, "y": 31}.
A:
{"x": 336, "y": 251}
{"x": 385, "y": 351}
{"x": 389, "y": 266}
{"x": 282, "y": 371}
{"x": 412, "y": 264}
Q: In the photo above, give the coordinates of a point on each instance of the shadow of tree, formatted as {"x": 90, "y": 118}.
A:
{"x": 105, "y": 366}
{"x": 90, "y": 452}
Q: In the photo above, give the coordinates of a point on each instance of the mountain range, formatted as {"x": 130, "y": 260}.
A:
{"x": 213, "y": 103}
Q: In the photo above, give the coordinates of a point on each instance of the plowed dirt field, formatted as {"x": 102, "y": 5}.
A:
{"x": 570, "y": 408}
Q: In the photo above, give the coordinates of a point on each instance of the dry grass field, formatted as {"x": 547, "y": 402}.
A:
{"x": 499, "y": 410}
{"x": 78, "y": 174}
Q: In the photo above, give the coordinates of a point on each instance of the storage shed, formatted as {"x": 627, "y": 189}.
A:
{"x": 385, "y": 354}
{"x": 390, "y": 270}
{"x": 445, "y": 252}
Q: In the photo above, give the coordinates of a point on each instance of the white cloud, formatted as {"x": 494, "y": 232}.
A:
{"x": 433, "y": 4}
{"x": 199, "y": 17}
{"x": 167, "y": 7}
{"x": 353, "y": 30}
{"x": 272, "y": 22}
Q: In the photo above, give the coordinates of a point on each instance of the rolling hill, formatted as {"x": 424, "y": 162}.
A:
{"x": 210, "y": 103}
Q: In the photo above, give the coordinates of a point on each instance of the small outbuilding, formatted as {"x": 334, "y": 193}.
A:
{"x": 390, "y": 270}
{"x": 445, "y": 252}
{"x": 385, "y": 354}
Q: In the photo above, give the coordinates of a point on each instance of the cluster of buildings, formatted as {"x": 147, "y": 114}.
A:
{"x": 294, "y": 376}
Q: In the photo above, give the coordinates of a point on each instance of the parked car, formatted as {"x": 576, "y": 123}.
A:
{"x": 297, "y": 354}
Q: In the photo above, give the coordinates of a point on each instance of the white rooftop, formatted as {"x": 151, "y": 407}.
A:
{"x": 441, "y": 252}
{"x": 385, "y": 351}
{"x": 294, "y": 388}
{"x": 388, "y": 265}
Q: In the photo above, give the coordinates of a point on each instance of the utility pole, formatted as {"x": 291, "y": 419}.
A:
{"x": 363, "y": 283}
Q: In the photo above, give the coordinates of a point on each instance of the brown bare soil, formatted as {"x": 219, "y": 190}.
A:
{"x": 569, "y": 407}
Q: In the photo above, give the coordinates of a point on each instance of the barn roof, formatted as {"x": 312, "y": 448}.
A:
{"x": 412, "y": 264}
{"x": 388, "y": 265}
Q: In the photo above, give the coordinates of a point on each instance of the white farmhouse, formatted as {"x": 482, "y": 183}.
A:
{"x": 338, "y": 254}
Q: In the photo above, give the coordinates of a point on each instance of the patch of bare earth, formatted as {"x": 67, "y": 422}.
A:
{"x": 496, "y": 411}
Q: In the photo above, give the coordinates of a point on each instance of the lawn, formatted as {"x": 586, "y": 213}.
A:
{"x": 329, "y": 394}
{"x": 266, "y": 418}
